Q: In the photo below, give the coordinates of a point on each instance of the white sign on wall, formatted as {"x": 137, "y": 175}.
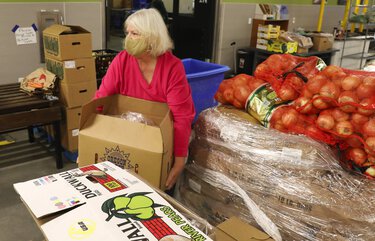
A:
{"x": 25, "y": 35}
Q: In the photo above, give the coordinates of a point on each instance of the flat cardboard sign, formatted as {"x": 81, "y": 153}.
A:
{"x": 136, "y": 213}
{"x": 64, "y": 190}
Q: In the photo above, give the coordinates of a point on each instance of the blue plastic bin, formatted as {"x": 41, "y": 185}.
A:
{"x": 204, "y": 79}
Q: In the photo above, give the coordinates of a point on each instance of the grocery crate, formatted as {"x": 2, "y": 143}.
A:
{"x": 269, "y": 28}
{"x": 103, "y": 59}
{"x": 204, "y": 79}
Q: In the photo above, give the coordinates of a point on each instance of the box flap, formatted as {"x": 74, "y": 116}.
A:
{"x": 234, "y": 229}
{"x": 166, "y": 128}
{"x": 120, "y": 131}
{"x": 58, "y": 29}
{"x": 67, "y": 189}
{"x": 136, "y": 213}
{"x": 154, "y": 110}
{"x": 118, "y": 104}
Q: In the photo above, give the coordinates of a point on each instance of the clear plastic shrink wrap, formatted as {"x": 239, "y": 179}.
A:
{"x": 297, "y": 182}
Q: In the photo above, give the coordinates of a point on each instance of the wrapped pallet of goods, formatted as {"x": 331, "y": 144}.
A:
{"x": 295, "y": 181}
{"x": 304, "y": 96}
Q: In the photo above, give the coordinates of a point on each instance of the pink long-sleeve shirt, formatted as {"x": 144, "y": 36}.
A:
{"x": 168, "y": 85}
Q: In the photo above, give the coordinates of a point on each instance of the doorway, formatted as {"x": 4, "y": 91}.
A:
{"x": 191, "y": 24}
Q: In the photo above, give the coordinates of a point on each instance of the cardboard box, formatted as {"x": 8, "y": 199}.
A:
{"x": 234, "y": 229}
{"x": 117, "y": 3}
{"x": 72, "y": 71}
{"x": 262, "y": 41}
{"x": 269, "y": 28}
{"x": 69, "y": 138}
{"x": 282, "y": 47}
{"x": 70, "y": 128}
{"x": 322, "y": 42}
{"x": 66, "y": 42}
{"x": 115, "y": 206}
{"x": 145, "y": 149}
{"x": 261, "y": 46}
{"x": 302, "y": 50}
{"x": 71, "y": 117}
{"x": 75, "y": 95}
{"x": 266, "y": 35}
{"x": 65, "y": 190}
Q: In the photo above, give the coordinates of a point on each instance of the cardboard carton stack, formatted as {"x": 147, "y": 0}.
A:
{"x": 322, "y": 41}
{"x": 297, "y": 182}
{"x": 266, "y": 33}
{"x": 68, "y": 54}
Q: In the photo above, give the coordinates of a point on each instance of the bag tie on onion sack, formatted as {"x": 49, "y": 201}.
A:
{"x": 294, "y": 71}
{"x": 288, "y": 74}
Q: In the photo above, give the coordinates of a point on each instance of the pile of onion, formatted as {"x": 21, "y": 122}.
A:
{"x": 280, "y": 71}
{"x": 236, "y": 90}
{"x": 344, "y": 103}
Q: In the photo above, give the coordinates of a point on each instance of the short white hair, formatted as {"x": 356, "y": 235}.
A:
{"x": 151, "y": 25}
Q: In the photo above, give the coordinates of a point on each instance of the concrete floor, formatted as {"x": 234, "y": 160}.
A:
{"x": 22, "y": 161}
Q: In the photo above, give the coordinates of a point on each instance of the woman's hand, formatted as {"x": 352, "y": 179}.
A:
{"x": 178, "y": 167}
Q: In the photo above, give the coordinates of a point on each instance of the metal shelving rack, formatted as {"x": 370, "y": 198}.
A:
{"x": 364, "y": 55}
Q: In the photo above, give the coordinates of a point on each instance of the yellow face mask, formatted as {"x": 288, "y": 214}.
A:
{"x": 135, "y": 47}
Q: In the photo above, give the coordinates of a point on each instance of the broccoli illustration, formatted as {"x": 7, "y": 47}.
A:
{"x": 136, "y": 206}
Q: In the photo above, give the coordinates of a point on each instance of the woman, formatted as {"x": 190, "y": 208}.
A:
{"x": 147, "y": 69}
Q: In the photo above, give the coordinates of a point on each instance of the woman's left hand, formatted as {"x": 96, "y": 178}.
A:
{"x": 178, "y": 167}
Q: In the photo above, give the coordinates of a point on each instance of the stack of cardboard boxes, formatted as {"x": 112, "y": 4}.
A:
{"x": 322, "y": 41}
{"x": 68, "y": 54}
{"x": 266, "y": 33}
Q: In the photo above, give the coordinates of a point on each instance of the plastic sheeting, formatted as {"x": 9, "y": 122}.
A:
{"x": 297, "y": 182}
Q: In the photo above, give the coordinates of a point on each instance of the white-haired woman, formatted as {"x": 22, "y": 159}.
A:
{"x": 147, "y": 69}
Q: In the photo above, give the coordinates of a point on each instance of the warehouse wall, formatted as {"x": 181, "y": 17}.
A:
{"x": 234, "y": 25}
{"x": 18, "y": 61}
{"x": 305, "y": 2}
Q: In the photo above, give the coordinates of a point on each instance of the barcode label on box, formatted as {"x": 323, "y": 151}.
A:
{"x": 71, "y": 64}
{"x": 75, "y": 132}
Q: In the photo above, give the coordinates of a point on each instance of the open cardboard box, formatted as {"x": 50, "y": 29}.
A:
{"x": 65, "y": 190}
{"x": 85, "y": 217}
{"x": 67, "y": 42}
{"x": 145, "y": 149}
{"x": 116, "y": 206}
